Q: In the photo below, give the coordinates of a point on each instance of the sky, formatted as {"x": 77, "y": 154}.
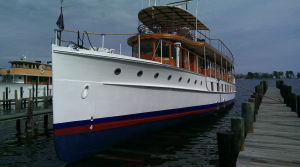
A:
{"x": 263, "y": 35}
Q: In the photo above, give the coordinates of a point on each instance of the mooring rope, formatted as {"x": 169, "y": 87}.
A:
{"x": 258, "y": 93}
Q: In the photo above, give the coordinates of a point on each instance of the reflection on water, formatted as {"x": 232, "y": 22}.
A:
{"x": 191, "y": 144}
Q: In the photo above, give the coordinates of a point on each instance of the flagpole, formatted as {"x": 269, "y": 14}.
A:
{"x": 60, "y": 26}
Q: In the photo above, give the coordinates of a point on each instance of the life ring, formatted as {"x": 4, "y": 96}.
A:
{"x": 42, "y": 71}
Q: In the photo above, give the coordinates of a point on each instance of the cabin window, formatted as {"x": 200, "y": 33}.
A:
{"x": 179, "y": 79}
{"x": 30, "y": 66}
{"x": 146, "y": 49}
{"x": 165, "y": 49}
{"x": 20, "y": 77}
{"x": 170, "y": 76}
{"x": 41, "y": 79}
{"x": 33, "y": 79}
{"x": 222, "y": 87}
{"x": 20, "y": 65}
{"x": 212, "y": 86}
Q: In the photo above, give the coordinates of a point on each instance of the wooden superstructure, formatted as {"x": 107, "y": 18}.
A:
{"x": 164, "y": 28}
{"x": 28, "y": 72}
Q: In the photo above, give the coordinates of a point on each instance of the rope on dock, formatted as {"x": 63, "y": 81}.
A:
{"x": 259, "y": 94}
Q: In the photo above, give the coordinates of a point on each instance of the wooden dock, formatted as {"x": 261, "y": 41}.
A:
{"x": 23, "y": 115}
{"x": 276, "y": 138}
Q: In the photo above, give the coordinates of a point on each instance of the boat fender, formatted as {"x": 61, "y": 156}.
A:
{"x": 85, "y": 91}
{"x": 42, "y": 71}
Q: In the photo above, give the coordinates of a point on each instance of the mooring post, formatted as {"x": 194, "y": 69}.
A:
{"x": 289, "y": 91}
{"x": 252, "y": 101}
{"x": 29, "y": 116}
{"x": 237, "y": 127}
{"x": 298, "y": 105}
{"x": 37, "y": 91}
{"x": 6, "y": 97}
{"x": 18, "y": 105}
{"x": 33, "y": 90}
{"x": 44, "y": 93}
{"x": 21, "y": 96}
{"x": 48, "y": 86}
{"x": 16, "y": 96}
{"x": 45, "y": 121}
{"x": 248, "y": 117}
{"x": 3, "y": 102}
{"x": 36, "y": 126}
{"x": 227, "y": 156}
{"x": 18, "y": 125}
{"x": 293, "y": 102}
{"x": 285, "y": 88}
{"x": 46, "y": 102}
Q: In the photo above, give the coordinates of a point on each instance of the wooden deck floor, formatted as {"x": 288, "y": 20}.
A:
{"x": 276, "y": 138}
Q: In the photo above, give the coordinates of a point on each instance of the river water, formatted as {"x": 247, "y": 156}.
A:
{"x": 191, "y": 144}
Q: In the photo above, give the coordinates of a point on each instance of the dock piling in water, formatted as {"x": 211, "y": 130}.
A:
{"x": 298, "y": 106}
{"x": 248, "y": 117}
{"x": 252, "y": 101}
{"x": 227, "y": 155}
{"x": 293, "y": 102}
{"x": 237, "y": 127}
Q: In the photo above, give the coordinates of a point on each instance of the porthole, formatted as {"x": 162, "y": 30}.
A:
{"x": 195, "y": 81}
{"x": 140, "y": 73}
{"x": 117, "y": 71}
{"x": 169, "y": 77}
{"x": 201, "y": 83}
{"x": 156, "y": 75}
{"x": 179, "y": 80}
{"x": 188, "y": 81}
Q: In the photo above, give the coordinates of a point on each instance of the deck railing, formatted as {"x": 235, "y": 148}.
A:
{"x": 190, "y": 34}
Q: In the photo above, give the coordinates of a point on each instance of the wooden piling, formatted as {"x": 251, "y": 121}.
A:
{"x": 21, "y": 96}
{"x": 6, "y": 97}
{"x": 45, "y": 121}
{"x": 285, "y": 88}
{"x": 18, "y": 107}
{"x": 3, "y": 102}
{"x": 227, "y": 156}
{"x": 37, "y": 91}
{"x": 46, "y": 102}
{"x": 288, "y": 95}
{"x": 252, "y": 101}
{"x": 248, "y": 117}
{"x": 16, "y": 96}
{"x": 48, "y": 87}
{"x": 36, "y": 126}
{"x": 298, "y": 105}
{"x": 293, "y": 102}
{"x": 18, "y": 125}
{"x": 29, "y": 116}
{"x": 237, "y": 127}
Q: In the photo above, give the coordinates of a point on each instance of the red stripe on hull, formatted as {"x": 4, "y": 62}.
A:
{"x": 118, "y": 124}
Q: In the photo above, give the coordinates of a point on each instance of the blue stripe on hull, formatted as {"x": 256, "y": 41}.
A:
{"x": 73, "y": 147}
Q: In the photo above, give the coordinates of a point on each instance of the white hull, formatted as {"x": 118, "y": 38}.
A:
{"x": 111, "y": 95}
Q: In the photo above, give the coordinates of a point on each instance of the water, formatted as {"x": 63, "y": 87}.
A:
{"x": 192, "y": 144}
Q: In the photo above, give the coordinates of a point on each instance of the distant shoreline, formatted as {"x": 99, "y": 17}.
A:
{"x": 267, "y": 79}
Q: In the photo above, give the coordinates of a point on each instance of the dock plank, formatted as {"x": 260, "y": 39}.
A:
{"x": 276, "y": 138}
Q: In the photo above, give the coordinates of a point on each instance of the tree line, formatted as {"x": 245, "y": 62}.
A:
{"x": 274, "y": 75}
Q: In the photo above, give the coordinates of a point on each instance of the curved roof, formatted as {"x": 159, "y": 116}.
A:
{"x": 167, "y": 16}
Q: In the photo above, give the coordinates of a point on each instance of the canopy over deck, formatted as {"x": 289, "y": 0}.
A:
{"x": 169, "y": 16}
